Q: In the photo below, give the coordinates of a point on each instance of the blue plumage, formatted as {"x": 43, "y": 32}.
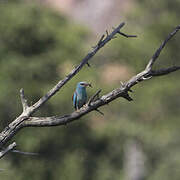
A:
{"x": 80, "y": 96}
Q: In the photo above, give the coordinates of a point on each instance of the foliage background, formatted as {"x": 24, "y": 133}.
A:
{"x": 39, "y": 46}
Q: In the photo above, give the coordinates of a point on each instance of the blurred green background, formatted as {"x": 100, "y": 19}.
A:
{"x": 139, "y": 139}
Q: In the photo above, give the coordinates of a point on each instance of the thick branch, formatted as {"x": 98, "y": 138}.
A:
{"x": 63, "y": 120}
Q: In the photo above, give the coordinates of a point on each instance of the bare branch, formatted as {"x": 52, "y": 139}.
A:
{"x": 148, "y": 72}
{"x": 107, "y": 34}
{"x": 61, "y": 83}
{"x": 63, "y": 120}
{"x": 100, "y": 112}
{"x": 161, "y": 72}
{"x": 119, "y": 92}
{"x": 18, "y": 123}
{"x": 101, "y": 39}
{"x": 126, "y": 35}
{"x": 88, "y": 64}
{"x": 7, "y": 149}
{"x": 93, "y": 97}
{"x": 158, "y": 51}
{"x": 24, "y": 153}
{"x": 23, "y": 100}
{"x": 24, "y": 120}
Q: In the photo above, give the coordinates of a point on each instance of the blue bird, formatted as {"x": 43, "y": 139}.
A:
{"x": 80, "y": 97}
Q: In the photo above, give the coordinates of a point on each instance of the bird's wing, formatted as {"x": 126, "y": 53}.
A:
{"x": 74, "y": 99}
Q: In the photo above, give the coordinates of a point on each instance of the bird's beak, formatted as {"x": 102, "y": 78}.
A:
{"x": 88, "y": 84}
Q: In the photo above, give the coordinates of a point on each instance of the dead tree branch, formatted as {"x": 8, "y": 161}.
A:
{"x": 86, "y": 59}
{"x": 23, "y": 100}
{"x": 96, "y": 95}
{"x": 7, "y": 149}
{"x": 25, "y": 119}
{"x": 17, "y": 124}
{"x": 24, "y": 153}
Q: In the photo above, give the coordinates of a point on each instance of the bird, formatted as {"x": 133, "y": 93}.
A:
{"x": 80, "y": 96}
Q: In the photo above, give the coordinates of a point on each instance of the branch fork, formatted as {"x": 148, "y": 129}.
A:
{"x": 26, "y": 119}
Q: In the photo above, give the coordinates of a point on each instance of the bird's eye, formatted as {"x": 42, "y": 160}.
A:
{"x": 82, "y": 84}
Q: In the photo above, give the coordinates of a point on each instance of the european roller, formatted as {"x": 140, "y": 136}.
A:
{"x": 80, "y": 97}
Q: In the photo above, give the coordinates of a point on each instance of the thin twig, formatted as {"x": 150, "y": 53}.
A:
{"x": 88, "y": 64}
{"x": 127, "y": 97}
{"x": 107, "y": 34}
{"x": 23, "y": 99}
{"x": 126, "y": 35}
{"x": 93, "y": 97}
{"x": 158, "y": 51}
{"x": 100, "y": 112}
{"x": 161, "y": 72}
{"x": 24, "y": 153}
{"x": 7, "y": 149}
{"x": 101, "y": 39}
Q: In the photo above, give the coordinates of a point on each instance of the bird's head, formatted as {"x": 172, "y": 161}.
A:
{"x": 83, "y": 84}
